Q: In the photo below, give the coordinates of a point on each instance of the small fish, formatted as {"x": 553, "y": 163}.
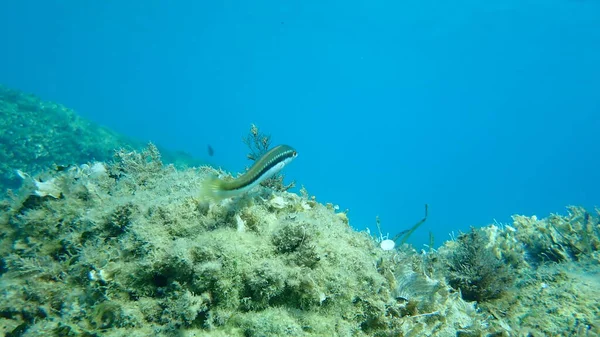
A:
{"x": 211, "y": 151}
{"x": 264, "y": 168}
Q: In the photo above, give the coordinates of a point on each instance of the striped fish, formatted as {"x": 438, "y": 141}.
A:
{"x": 264, "y": 168}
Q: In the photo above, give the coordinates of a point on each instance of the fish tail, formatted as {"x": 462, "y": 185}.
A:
{"x": 213, "y": 189}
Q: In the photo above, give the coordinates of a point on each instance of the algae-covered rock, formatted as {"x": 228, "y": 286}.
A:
{"x": 551, "y": 288}
{"x": 560, "y": 238}
{"x": 130, "y": 250}
{"x": 36, "y": 135}
{"x": 126, "y": 248}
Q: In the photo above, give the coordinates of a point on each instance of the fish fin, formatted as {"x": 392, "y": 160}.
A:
{"x": 213, "y": 189}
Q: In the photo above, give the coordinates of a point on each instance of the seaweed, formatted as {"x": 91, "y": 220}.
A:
{"x": 258, "y": 142}
{"x": 476, "y": 271}
{"x": 405, "y": 234}
{"x": 560, "y": 238}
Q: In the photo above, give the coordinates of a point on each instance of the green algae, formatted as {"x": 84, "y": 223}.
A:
{"x": 36, "y": 135}
{"x": 129, "y": 249}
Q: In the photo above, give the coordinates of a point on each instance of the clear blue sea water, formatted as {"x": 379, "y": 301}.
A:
{"x": 481, "y": 109}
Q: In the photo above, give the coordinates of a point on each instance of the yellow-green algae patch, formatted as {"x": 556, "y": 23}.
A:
{"x": 127, "y": 248}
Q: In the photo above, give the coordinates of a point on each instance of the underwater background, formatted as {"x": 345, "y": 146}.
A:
{"x": 481, "y": 109}
{"x": 446, "y": 180}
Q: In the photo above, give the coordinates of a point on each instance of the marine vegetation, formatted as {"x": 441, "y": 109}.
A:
{"x": 37, "y": 135}
{"x": 542, "y": 297}
{"x": 125, "y": 247}
{"x": 475, "y": 270}
{"x": 561, "y": 239}
{"x": 403, "y": 236}
{"x": 120, "y": 243}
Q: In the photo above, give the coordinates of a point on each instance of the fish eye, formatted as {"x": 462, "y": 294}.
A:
{"x": 294, "y": 153}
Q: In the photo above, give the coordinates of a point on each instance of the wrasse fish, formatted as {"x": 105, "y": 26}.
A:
{"x": 264, "y": 168}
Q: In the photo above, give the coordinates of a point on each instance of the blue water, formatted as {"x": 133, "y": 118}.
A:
{"x": 481, "y": 109}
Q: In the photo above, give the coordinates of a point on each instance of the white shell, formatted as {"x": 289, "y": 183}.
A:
{"x": 387, "y": 244}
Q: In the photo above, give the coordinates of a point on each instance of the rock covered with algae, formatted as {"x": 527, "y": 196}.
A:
{"x": 544, "y": 274}
{"x": 37, "y": 134}
{"x": 126, "y": 248}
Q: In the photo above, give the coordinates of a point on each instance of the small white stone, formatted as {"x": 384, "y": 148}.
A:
{"x": 387, "y": 244}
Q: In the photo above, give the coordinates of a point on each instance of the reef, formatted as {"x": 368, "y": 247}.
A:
{"x": 125, "y": 247}
{"x": 36, "y": 135}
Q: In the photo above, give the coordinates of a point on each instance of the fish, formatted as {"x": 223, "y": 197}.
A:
{"x": 264, "y": 168}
